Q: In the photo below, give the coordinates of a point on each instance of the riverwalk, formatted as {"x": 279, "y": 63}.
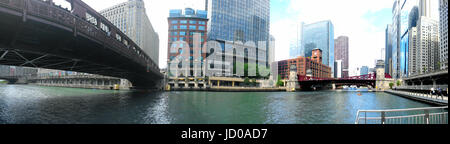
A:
{"x": 428, "y": 98}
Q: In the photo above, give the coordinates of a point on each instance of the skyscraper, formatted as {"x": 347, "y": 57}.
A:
{"x": 130, "y": 17}
{"x": 296, "y": 43}
{"x": 413, "y": 49}
{"x": 319, "y": 35}
{"x": 388, "y": 51}
{"x": 236, "y": 20}
{"x": 427, "y": 45}
{"x": 341, "y": 53}
{"x": 443, "y": 31}
{"x": 396, "y": 39}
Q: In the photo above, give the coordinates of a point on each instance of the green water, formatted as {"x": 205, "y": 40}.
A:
{"x": 51, "y": 105}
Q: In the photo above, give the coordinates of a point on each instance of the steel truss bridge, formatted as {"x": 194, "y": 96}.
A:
{"x": 37, "y": 33}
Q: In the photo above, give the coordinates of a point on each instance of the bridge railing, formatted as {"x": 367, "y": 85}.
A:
{"x": 110, "y": 36}
{"x": 423, "y": 87}
{"x": 430, "y": 115}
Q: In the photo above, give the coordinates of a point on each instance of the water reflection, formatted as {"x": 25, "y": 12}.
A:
{"x": 42, "y": 105}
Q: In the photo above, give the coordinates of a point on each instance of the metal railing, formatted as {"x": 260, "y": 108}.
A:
{"x": 430, "y": 115}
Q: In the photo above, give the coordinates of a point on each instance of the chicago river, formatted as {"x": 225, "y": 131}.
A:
{"x": 25, "y": 104}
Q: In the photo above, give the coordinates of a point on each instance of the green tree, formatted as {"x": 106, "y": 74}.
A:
{"x": 391, "y": 85}
{"x": 253, "y": 82}
{"x": 399, "y": 83}
{"x": 279, "y": 82}
{"x": 247, "y": 81}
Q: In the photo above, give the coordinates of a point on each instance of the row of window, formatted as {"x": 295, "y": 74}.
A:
{"x": 190, "y": 22}
{"x": 183, "y": 39}
{"x": 191, "y": 27}
{"x": 183, "y": 33}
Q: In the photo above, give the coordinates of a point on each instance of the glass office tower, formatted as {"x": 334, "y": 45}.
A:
{"x": 238, "y": 20}
{"x": 319, "y": 35}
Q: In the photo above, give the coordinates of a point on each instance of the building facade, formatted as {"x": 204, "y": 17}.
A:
{"x": 338, "y": 69}
{"x": 130, "y": 17}
{"x": 364, "y": 70}
{"x": 295, "y": 44}
{"x": 187, "y": 36}
{"x": 341, "y": 52}
{"x": 319, "y": 35}
{"x": 305, "y": 66}
{"x": 237, "y": 20}
{"x": 428, "y": 50}
{"x": 413, "y": 49}
{"x": 388, "y": 51}
{"x": 443, "y": 33}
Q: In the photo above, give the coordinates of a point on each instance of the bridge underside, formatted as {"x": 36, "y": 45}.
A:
{"x": 40, "y": 43}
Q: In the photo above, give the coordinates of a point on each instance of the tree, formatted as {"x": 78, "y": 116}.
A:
{"x": 279, "y": 82}
{"x": 253, "y": 82}
{"x": 391, "y": 85}
{"x": 247, "y": 81}
{"x": 399, "y": 83}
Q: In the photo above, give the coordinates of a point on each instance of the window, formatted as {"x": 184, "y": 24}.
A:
{"x": 182, "y": 33}
{"x": 174, "y": 22}
{"x": 183, "y": 21}
{"x": 174, "y": 27}
{"x": 192, "y": 22}
{"x": 193, "y": 27}
{"x": 183, "y": 27}
{"x": 202, "y": 22}
{"x": 201, "y": 28}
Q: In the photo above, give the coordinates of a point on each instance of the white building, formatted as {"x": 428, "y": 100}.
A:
{"x": 443, "y": 31}
{"x": 338, "y": 68}
{"x": 428, "y": 50}
{"x": 413, "y": 49}
{"x": 130, "y": 17}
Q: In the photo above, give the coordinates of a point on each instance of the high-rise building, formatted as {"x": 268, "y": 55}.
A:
{"x": 428, "y": 48}
{"x": 341, "y": 53}
{"x": 396, "y": 39}
{"x": 271, "y": 52}
{"x": 388, "y": 51}
{"x": 413, "y": 49}
{"x": 234, "y": 21}
{"x": 130, "y": 17}
{"x": 185, "y": 30}
{"x": 443, "y": 33}
{"x": 319, "y": 35}
{"x": 295, "y": 45}
{"x": 364, "y": 70}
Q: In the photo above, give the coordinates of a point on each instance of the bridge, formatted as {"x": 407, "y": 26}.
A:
{"x": 10, "y": 79}
{"x": 37, "y": 33}
{"x": 362, "y": 80}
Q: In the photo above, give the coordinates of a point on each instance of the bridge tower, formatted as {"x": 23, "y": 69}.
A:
{"x": 382, "y": 83}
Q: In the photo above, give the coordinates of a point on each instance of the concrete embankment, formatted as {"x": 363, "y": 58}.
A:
{"x": 432, "y": 99}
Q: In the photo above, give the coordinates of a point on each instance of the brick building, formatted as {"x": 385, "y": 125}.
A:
{"x": 303, "y": 64}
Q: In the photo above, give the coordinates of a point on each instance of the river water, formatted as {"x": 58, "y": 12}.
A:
{"x": 24, "y": 104}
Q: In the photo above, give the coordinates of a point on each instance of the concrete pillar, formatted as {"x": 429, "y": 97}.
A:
{"x": 218, "y": 83}
{"x": 434, "y": 83}
{"x": 233, "y": 83}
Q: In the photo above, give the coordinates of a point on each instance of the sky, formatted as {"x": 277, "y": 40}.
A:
{"x": 363, "y": 21}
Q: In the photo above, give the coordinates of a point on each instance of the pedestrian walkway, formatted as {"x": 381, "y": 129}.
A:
{"x": 435, "y": 99}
